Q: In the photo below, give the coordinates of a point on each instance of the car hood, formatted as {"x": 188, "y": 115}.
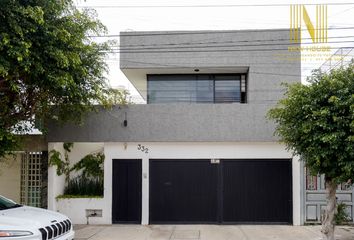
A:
{"x": 29, "y": 216}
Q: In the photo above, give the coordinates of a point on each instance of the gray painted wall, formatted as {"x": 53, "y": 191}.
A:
{"x": 264, "y": 52}
{"x": 269, "y": 63}
{"x": 172, "y": 122}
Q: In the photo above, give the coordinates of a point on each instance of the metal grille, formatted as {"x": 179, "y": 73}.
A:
{"x": 311, "y": 181}
{"x": 31, "y": 178}
{"x": 315, "y": 197}
{"x": 55, "y": 230}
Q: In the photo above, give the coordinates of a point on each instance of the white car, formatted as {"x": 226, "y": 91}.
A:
{"x": 29, "y": 223}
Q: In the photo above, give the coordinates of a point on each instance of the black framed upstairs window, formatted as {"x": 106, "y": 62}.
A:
{"x": 196, "y": 88}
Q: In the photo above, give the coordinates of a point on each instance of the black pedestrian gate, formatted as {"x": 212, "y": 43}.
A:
{"x": 220, "y": 191}
{"x": 126, "y": 199}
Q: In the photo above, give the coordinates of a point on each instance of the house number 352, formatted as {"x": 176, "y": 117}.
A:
{"x": 143, "y": 148}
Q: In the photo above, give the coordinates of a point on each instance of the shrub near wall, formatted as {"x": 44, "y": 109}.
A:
{"x": 82, "y": 200}
{"x": 83, "y": 186}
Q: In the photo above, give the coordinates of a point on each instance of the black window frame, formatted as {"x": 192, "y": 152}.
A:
{"x": 208, "y": 77}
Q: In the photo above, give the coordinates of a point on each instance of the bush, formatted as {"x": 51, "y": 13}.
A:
{"x": 84, "y": 186}
{"x": 341, "y": 215}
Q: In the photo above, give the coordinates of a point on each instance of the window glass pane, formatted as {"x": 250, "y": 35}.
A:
{"x": 194, "y": 88}
{"x": 227, "y": 91}
{"x": 227, "y": 77}
{"x": 170, "y": 91}
{"x": 176, "y": 89}
{"x": 204, "y": 91}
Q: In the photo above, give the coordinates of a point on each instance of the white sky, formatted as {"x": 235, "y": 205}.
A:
{"x": 117, "y": 18}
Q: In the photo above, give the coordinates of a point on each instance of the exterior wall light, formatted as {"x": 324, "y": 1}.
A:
{"x": 125, "y": 122}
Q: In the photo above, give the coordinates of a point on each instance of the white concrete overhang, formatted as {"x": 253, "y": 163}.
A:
{"x": 138, "y": 76}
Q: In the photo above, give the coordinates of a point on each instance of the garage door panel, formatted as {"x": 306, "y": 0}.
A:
{"x": 183, "y": 191}
{"x": 257, "y": 191}
{"x": 234, "y": 191}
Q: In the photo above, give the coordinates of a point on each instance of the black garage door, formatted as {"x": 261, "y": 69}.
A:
{"x": 183, "y": 191}
{"x": 225, "y": 191}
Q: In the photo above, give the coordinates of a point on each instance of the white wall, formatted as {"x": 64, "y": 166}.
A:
{"x": 194, "y": 150}
{"x": 184, "y": 150}
{"x": 75, "y": 209}
{"x": 297, "y": 192}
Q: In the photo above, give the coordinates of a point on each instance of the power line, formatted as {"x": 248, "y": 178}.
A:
{"x": 167, "y": 33}
{"x": 216, "y": 50}
{"x": 211, "y": 6}
{"x": 280, "y": 64}
{"x": 326, "y": 55}
{"x": 224, "y": 46}
{"x": 254, "y": 72}
{"x": 183, "y": 88}
{"x": 173, "y": 65}
{"x": 280, "y": 59}
{"x": 221, "y": 42}
{"x": 276, "y": 74}
{"x": 114, "y": 60}
{"x": 343, "y": 11}
{"x": 242, "y": 54}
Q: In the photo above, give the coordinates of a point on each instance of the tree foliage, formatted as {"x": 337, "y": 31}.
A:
{"x": 316, "y": 121}
{"x": 47, "y": 59}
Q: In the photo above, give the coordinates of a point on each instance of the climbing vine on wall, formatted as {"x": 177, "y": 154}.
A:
{"x": 89, "y": 177}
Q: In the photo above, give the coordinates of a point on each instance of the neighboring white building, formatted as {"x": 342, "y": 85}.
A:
{"x": 201, "y": 150}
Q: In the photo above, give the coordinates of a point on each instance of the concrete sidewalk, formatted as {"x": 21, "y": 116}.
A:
{"x": 206, "y": 232}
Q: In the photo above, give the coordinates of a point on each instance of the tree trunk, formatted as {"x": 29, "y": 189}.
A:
{"x": 328, "y": 218}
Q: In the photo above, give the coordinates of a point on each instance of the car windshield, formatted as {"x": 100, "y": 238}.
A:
{"x": 7, "y": 203}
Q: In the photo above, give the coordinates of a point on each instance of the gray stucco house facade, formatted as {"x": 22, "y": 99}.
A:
{"x": 201, "y": 150}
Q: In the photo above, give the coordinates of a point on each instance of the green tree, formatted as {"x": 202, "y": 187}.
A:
{"x": 48, "y": 59}
{"x": 316, "y": 121}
